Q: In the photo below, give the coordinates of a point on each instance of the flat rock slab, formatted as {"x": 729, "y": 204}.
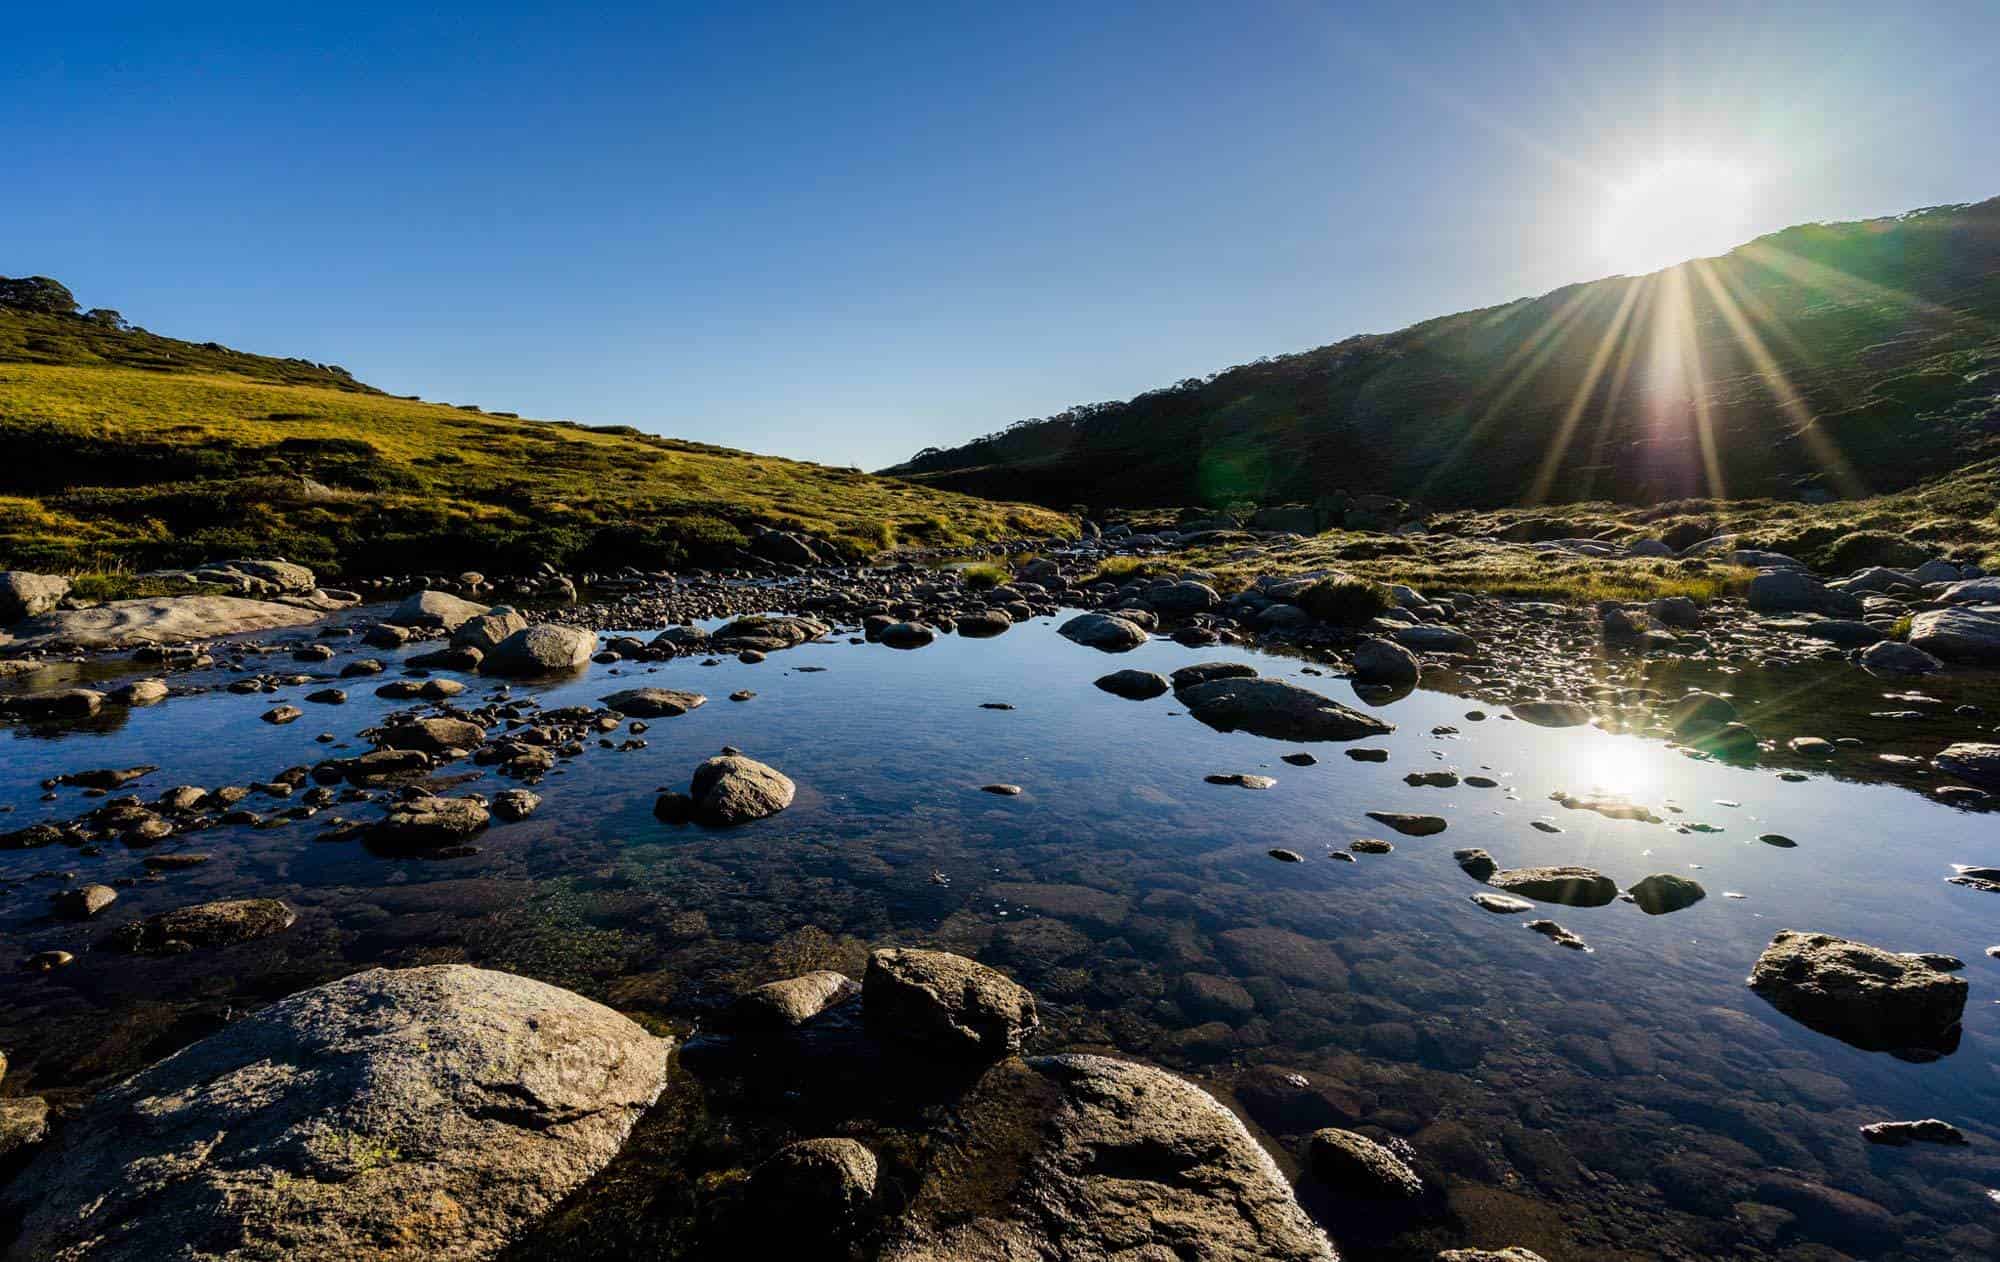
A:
{"x": 424, "y": 1113}
{"x": 1075, "y": 1157}
{"x": 205, "y": 924}
{"x": 1278, "y": 710}
{"x": 1570, "y": 886}
{"x": 157, "y": 620}
{"x": 655, "y": 703}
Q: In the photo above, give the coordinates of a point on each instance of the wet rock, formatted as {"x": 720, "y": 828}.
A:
{"x": 946, "y": 1002}
{"x": 1106, "y": 632}
{"x": 1569, "y": 885}
{"x": 1278, "y": 710}
{"x": 1354, "y": 1165}
{"x": 985, "y": 623}
{"x": 430, "y": 608}
{"x": 1552, "y": 713}
{"x": 791, "y": 1003}
{"x": 1077, "y": 1157}
{"x": 1893, "y": 657}
{"x": 427, "y": 823}
{"x": 1379, "y": 661}
{"x": 1286, "y": 856}
{"x": 1957, "y": 635}
{"x": 1874, "y": 999}
{"x": 1367, "y": 755}
{"x": 415, "y": 1113}
{"x": 1241, "y": 780}
{"x": 1479, "y": 865}
{"x": 1410, "y": 825}
{"x": 82, "y": 902}
{"x": 1208, "y": 672}
{"x": 1512, "y": 1253}
{"x": 176, "y": 862}
{"x": 1183, "y": 598}
{"x": 1502, "y": 904}
{"x": 107, "y": 777}
{"x": 1557, "y": 934}
{"x": 1901, "y": 1134}
{"x": 328, "y": 696}
{"x": 60, "y": 703}
{"x": 732, "y": 789}
{"x": 205, "y": 925}
{"x": 654, "y": 703}
{"x": 1663, "y": 892}
{"x": 24, "y": 1122}
{"x": 433, "y": 735}
{"x": 1001, "y": 790}
{"x": 1369, "y": 845}
{"x": 1795, "y": 591}
{"x": 1432, "y": 779}
{"x": 140, "y": 692}
{"x": 1133, "y": 685}
{"x": 813, "y": 1189}
{"x": 545, "y": 649}
{"x": 907, "y": 635}
{"x": 516, "y": 804}
{"x": 1974, "y": 762}
{"x": 282, "y": 714}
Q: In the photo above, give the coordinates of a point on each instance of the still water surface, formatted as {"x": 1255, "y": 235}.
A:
{"x": 1636, "y": 1101}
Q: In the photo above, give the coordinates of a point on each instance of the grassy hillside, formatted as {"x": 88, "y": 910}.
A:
{"x": 129, "y": 450}
{"x": 1823, "y": 361}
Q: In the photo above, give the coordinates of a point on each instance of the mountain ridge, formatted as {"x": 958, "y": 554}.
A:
{"x": 1822, "y": 360}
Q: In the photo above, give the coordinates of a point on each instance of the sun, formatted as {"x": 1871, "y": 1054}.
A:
{"x": 1674, "y": 210}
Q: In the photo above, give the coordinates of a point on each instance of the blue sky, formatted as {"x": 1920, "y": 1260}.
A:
{"x": 845, "y": 233}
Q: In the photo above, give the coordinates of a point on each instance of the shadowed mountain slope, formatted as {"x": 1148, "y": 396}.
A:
{"x": 1824, "y": 360}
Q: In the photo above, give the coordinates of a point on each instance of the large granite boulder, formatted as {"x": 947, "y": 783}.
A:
{"x": 424, "y": 1113}
{"x": 732, "y": 789}
{"x": 429, "y": 608}
{"x": 1067, "y": 1158}
{"x": 1877, "y": 1000}
{"x": 1379, "y": 661}
{"x": 547, "y": 649}
{"x": 946, "y": 1002}
{"x": 24, "y": 595}
{"x": 1279, "y": 710}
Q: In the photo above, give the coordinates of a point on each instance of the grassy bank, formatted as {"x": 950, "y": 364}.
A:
{"x": 131, "y": 451}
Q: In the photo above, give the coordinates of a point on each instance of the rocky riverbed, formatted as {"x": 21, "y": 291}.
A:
{"x": 735, "y": 812}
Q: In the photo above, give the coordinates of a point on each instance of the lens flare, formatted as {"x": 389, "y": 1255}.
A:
{"x": 1675, "y": 210}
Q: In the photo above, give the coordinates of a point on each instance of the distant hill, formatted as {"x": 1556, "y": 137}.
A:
{"x": 1827, "y": 360}
{"x": 129, "y": 450}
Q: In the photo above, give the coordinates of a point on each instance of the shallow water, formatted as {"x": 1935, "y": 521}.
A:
{"x": 1628, "y": 1102}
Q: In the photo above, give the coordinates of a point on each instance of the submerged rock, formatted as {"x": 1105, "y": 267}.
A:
{"x": 1083, "y": 1157}
{"x": 813, "y": 1189}
{"x": 1278, "y": 710}
{"x": 428, "y": 823}
{"x": 428, "y": 1113}
{"x": 1552, "y": 713}
{"x": 1874, "y": 999}
{"x": 205, "y": 924}
{"x": 1355, "y": 1165}
{"x": 946, "y": 1002}
{"x": 794, "y": 1001}
{"x": 1410, "y": 825}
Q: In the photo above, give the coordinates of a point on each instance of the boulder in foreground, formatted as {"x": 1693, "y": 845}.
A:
{"x": 1075, "y": 1157}
{"x": 1877, "y": 1000}
{"x": 1278, "y": 710}
{"x": 424, "y": 1113}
